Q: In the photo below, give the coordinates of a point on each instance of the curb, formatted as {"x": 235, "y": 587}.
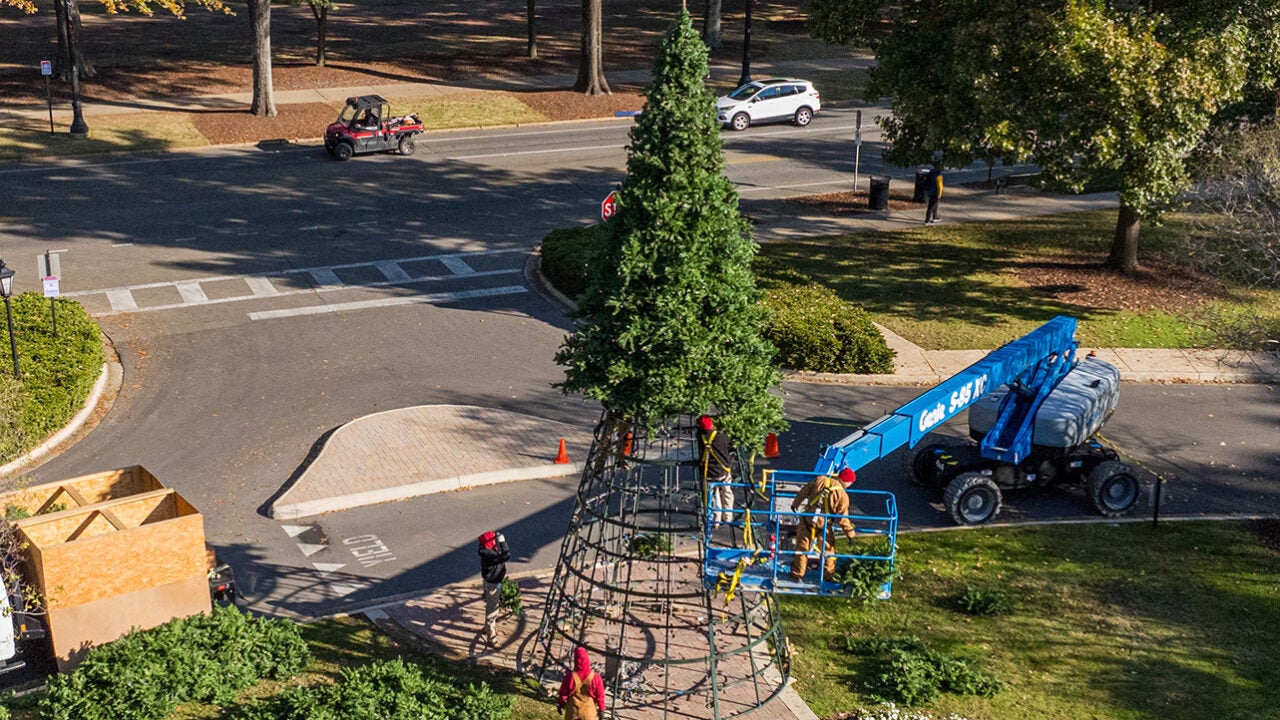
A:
{"x": 294, "y": 511}
{"x": 112, "y": 374}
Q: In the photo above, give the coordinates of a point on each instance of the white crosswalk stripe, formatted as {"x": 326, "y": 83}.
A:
{"x": 192, "y": 292}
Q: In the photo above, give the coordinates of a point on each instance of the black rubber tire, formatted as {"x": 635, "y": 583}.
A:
{"x": 407, "y": 145}
{"x": 918, "y": 464}
{"x": 1113, "y": 489}
{"x": 972, "y": 499}
{"x": 740, "y": 122}
{"x": 343, "y": 151}
{"x": 804, "y": 116}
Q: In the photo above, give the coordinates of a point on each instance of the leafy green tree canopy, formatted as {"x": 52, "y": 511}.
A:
{"x": 670, "y": 322}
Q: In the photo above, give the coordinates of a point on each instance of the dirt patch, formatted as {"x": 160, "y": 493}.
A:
{"x": 1086, "y": 282}
{"x": 853, "y": 203}
{"x": 301, "y": 121}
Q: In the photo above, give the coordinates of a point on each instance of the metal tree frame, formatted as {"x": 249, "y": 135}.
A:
{"x": 628, "y": 587}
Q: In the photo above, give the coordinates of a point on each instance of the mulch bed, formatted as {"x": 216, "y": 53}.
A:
{"x": 853, "y": 203}
{"x": 301, "y": 121}
{"x": 1084, "y": 281}
{"x": 569, "y": 105}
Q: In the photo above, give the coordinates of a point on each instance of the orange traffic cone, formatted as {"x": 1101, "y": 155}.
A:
{"x": 562, "y": 457}
{"x": 771, "y": 445}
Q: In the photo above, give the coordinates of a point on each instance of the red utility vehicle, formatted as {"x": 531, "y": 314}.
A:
{"x": 365, "y": 125}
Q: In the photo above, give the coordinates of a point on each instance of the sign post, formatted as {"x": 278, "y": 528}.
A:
{"x": 46, "y": 69}
{"x": 49, "y": 268}
{"x": 609, "y": 207}
{"x": 857, "y": 149}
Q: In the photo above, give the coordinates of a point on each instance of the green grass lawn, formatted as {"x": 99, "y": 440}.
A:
{"x": 1123, "y": 622}
{"x": 956, "y": 286}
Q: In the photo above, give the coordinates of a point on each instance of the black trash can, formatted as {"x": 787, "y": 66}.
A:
{"x": 921, "y": 192}
{"x": 878, "y": 195}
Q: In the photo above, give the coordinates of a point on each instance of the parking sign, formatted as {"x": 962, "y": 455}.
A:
{"x": 46, "y": 67}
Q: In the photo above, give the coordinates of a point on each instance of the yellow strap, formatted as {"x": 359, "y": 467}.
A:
{"x": 706, "y": 456}
{"x": 748, "y": 539}
{"x": 733, "y": 582}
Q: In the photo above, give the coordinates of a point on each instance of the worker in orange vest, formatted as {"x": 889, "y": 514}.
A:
{"x": 582, "y": 692}
{"x": 823, "y": 495}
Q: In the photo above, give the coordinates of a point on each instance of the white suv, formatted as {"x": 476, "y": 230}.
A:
{"x": 769, "y": 100}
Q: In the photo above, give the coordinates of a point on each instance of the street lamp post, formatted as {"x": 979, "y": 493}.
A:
{"x": 6, "y": 289}
{"x": 78, "y": 126}
{"x": 746, "y": 46}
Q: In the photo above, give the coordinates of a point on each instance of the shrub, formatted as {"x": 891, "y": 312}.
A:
{"x": 913, "y": 674}
{"x": 814, "y": 329}
{"x": 648, "y": 546}
{"x": 388, "y": 690}
{"x": 147, "y": 673}
{"x": 57, "y": 372}
{"x": 985, "y": 601}
{"x": 568, "y": 256}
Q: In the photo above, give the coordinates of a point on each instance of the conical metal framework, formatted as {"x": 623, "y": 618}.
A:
{"x": 629, "y": 588}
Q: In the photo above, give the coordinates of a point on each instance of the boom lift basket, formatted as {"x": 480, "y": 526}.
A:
{"x": 756, "y": 551}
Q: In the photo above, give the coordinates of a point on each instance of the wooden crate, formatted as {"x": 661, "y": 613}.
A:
{"x": 126, "y": 552}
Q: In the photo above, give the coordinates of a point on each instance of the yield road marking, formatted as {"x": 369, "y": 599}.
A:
{"x": 388, "y": 302}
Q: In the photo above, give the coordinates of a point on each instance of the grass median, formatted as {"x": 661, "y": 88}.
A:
{"x": 979, "y": 285}
{"x": 1179, "y": 622}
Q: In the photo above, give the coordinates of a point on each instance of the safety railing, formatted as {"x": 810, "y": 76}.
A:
{"x": 755, "y": 546}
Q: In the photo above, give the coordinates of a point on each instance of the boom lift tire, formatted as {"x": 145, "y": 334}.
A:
{"x": 919, "y": 464}
{"x": 972, "y": 499}
{"x": 1113, "y": 489}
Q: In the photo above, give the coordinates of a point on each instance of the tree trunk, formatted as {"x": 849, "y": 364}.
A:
{"x": 711, "y": 24}
{"x": 591, "y": 67}
{"x": 321, "y": 13}
{"x": 264, "y": 103}
{"x": 533, "y": 35}
{"x": 61, "y": 66}
{"x": 1124, "y": 248}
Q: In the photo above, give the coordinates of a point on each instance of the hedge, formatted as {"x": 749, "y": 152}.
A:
{"x": 814, "y": 329}
{"x": 146, "y": 674}
{"x": 810, "y": 325}
{"x": 568, "y": 255}
{"x": 386, "y": 690}
{"x": 57, "y": 372}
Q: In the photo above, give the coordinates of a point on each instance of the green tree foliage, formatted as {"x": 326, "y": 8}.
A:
{"x": 841, "y": 22}
{"x": 670, "y": 323}
{"x": 1074, "y": 85}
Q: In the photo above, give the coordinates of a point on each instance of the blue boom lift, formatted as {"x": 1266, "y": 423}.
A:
{"x": 1034, "y": 410}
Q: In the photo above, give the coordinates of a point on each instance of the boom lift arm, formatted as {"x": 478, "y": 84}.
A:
{"x": 1035, "y": 362}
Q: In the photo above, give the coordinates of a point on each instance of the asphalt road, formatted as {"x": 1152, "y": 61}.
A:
{"x": 226, "y": 279}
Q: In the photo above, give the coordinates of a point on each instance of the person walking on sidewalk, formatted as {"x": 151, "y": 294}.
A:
{"x": 822, "y": 495}
{"x": 582, "y": 691}
{"x": 933, "y": 193}
{"x": 494, "y": 555}
{"x": 713, "y": 458}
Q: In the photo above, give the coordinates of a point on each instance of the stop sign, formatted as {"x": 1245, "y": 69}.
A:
{"x": 609, "y": 207}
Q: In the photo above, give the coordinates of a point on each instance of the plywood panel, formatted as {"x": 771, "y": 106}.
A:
{"x": 75, "y": 629}
{"x": 95, "y": 488}
{"x": 124, "y": 561}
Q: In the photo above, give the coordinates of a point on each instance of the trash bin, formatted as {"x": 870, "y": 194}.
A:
{"x": 878, "y": 196}
{"x": 921, "y": 192}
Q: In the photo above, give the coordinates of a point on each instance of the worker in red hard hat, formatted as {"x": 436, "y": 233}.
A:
{"x": 494, "y": 555}
{"x": 824, "y": 495}
{"x": 713, "y": 459}
{"x": 582, "y": 691}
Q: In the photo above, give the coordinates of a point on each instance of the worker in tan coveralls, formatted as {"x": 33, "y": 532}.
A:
{"x": 826, "y": 495}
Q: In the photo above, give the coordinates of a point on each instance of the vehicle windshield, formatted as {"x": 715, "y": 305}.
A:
{"x": 348, "y": 112}
{"x": 744, "y": 92}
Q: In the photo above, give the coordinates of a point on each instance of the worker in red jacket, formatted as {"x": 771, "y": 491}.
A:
{"x": 582, "y": 692}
